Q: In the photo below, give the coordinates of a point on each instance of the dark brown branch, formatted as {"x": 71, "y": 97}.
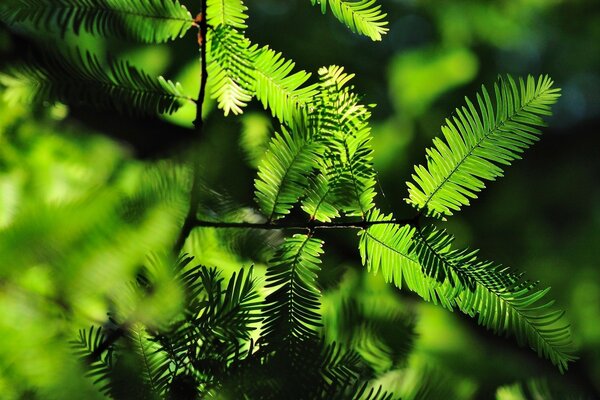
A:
{"x": 313, "y": 225}
{"x": 202, "y": 32}
{"x": 190, "y": 219}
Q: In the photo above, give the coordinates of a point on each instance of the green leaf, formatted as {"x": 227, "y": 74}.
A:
{"x": 78, "y": 78}
{"x": 478, "y": 142}
{"x": 278, "y": 89}
{"x": 361, "y": 16}
{"x": 282, "y": 173}
{"x": 388, "y": 247}
{"x": 292, "y": 308}
{"x": 149, "y": 21}
{"x": 501, "y": 300}
{"x": 99, "y": 369}
{"x": 154, "y": 363}
{"x": 231, "y": 77}
{"x": 227, "y": 12}
{"x": 342, "y": 125}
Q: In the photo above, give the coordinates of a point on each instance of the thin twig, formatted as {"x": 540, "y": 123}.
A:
{"x": 202, "y": 32}
{"x": 312, "y": 225}
{"x": 190, "y": 219}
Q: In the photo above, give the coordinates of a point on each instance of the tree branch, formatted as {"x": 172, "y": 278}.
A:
{"x": 201, "y": 20}
{"x": 312, "y": 225}
{"x": 190, "y": 219}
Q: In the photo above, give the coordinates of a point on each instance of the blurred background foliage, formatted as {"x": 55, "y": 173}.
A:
{"x": 85, "y": 200}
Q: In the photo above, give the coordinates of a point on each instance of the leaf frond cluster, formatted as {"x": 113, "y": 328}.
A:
{"x": 347, "y": 168}
{"x": 364, "y": 17}
{"x": 501, "y": 300}
{"x": 239, "y": 70}
{"x": 283, "y": 171}
{"x": 80, "y": 78}
{"x": 150, "y": 21}
{"x": 227, "y": 12}
{"x": 479, "y": 141}
{"x": 291, "y": 309}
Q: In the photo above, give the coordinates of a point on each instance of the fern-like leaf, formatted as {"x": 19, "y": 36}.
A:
{"x": 501, "y": 300}
{"x": 388, "y": 247}
{"x": 292, "y": 309}
{"x": 82, "y": 79}
{"x": 512, "y": 304}
{"x": 347, "y": 175}
{"x": 230, "y": 70}
{"x": 149, "y": 21}
{"x": 361, "y": 16}
{"x": 154, "y": 362}
{"x": 282, "y": 173}
{"x": 227, "y": 12}
{"x": 478, "y": 141}
{"x": 278, "y": 89}
{"x": 99, "y": 369}
{"x": 237, "y": 312}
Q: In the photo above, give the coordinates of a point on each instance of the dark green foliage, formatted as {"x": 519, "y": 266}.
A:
{"x": 149, "y": 21}
{"x": 99, "y": 369}
{"x": 80, "y": 78}
{"x": 290, "y": 316}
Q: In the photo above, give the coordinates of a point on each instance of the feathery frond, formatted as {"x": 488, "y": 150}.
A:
{"x": 237, "y": 312}
{"x": 230, "y": 71}
{"x": 99, "y": 369}
{"x": 501, "y": 300}
{"x": 478, "y": 142}
{"x": 78, "y": 78}
{"x": 282, "y": 173}
{"x": 320, "y": 201}
{"x": 342, "y": 124}
{"x": 292, "y": 309}
{"x": 278, "y": 89}
{"x": 361, "y": 16}
{"x": 149, "y": 21}
{"x": 227, "y": 12}
{"x": 154, "y": 363}
{"x": 389, "y": 248}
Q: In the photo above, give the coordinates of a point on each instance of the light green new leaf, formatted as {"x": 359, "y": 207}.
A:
{"x": 239, "y": 71}
{"x": 478, "y": 141}
{"x": 361, "y": 16}
{"x": 278, "y": 89}
{"x": 230, "y": 71}
{"x": 149, "y": 21}
{"x": 226, "y": 12}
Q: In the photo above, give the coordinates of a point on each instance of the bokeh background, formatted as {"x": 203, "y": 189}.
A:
{"x": 64, "y": 170}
